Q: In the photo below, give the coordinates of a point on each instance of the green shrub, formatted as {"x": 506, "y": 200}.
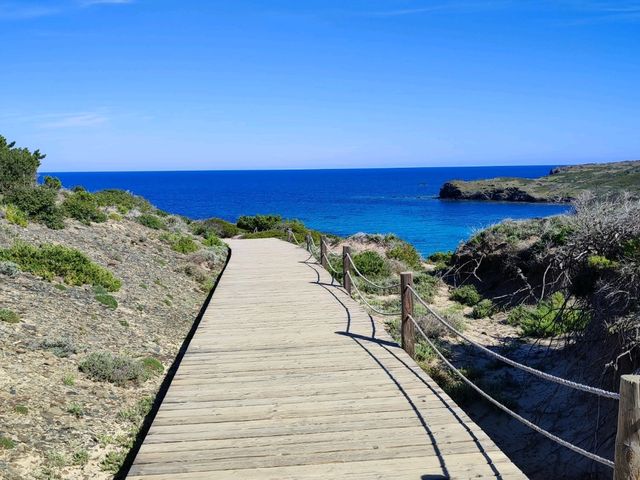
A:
{"x": 60, "y": 347}
{"x": 598, "y": 262}
{"x": 180, "y": 243}
{"x": 153, "y": 366}
{"x": 107, "y": 300}
{"x": 117, "y": 369}
{"x": 21, "y": 409}
{"x": 18, "y": 166}
{"x": 405, "y": 253}
{"x": 52, "y": 182}
{"x": 16, "y": 216}
{"x": 425, "y": 285}
{"x": 484, "y": 308}
{"x": 113, "y": 461}
{"x": 217, "y": 226}
{"x": 466, "y": 295}
{"x": 39, "y": 204}
{"x": 441, "y": 257}
{"x": 9, "y": 316}
{"x": 551, "y": 317}
{"x": 281, "y": 234}
{"x": 83, "y": 207}
{"x": 151, "y": 221}
{"x": 80, "y": 458}
{"x": 122, "y": 200}
{"x": 49, "y": 261}
{"x": 6, "y": 443}
{"x": 69, "y": 380}
{"x": 75, "y": 409}
{"x": 211, "y": 240}
{"x": 259, "y": 223}
{"x": 370, "y": 264}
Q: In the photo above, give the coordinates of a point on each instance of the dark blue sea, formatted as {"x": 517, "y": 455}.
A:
{"x": 343, "y": 202}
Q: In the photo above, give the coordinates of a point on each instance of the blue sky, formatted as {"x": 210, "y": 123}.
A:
{"x": 185, "y": 84}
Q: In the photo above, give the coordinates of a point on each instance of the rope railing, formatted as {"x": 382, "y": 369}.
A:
{"x": 408, "y": 294}
{"x": 364, "y": 300}
{"x": 381, "y": 287}
{"x": 507, "y": 410}
{"x": 513, "y": 363}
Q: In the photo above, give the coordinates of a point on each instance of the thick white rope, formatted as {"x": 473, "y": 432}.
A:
{"x": 353, "y": 264}
{"x": 331, "y": 267}
{"x": 513, "y": 363}
{"x": 293, "y": 235}
{"x": 353, "y": 284}
{"x": 505, "y": 409}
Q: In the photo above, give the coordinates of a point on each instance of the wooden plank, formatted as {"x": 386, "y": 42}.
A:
{"x": 288, "y": 377}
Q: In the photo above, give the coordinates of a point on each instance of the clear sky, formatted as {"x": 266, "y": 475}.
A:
{"x": 187, "y": 84}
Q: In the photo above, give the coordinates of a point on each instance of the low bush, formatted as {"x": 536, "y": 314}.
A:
{"x": 405, "y": 253}
{"x": 6, "y": 443}
{"x": 107, "y": 300}
{"x": 39, "y": 204}
{"x": 425, "y": 285}
{"x": 598, "y": 262}
{"x": 466, "y": 295}
{"x": 137, "y": 412}
{"x": 258, "y": 223}
{"x": 16, "y": 216}
{"x": 83, "y": 207}
{"x": 80, "y": 458}
{"x": 482, "y": 309}
{"x": 281, "y": 234}
{"x": 153, "y": 366}
{"x": 122, "y": 200}
{"x": 60, "y": 347}
{"x": 551, "y": 317}
{"x": 21, "y": 409}
{"x": 53, "y": 183}
{"x": 370, "y": 264}
{"x": 9, "y": 316}
{"x": 441, "y": 257}
{"x": 49, "y": 261}
{"x": 117, "y": 369}
{"x": 211, "y": 240}
{"x": 217, "y": 226}
{"x": 180, "y": 243}
{"x": 75, "y": 409}
{"x": 151, "y": 221}
{"x": 113, "y": 461}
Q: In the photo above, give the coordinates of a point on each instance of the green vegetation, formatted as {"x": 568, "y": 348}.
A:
{"x": 9, "y": 316}
{"x": 259, "y": 223}
{"x": 153, "y": 366}
{"x": 18, "y": 166}
{"x": 466, "y": 295}
{"x": 561, "y": 185}
{"x": 84, "y": 207}
{"x": 69, "y": 380}
{"x": 215, "y": 226}
{"x": 104, "y": 298}
{"x": 21, "y": 409}
{"x": 60, "y": 347}
{"x": 211, "y": 240}
{"x": 137, "y": 412}
{"x": 80, "y": 457}
{"x": 122, "y": 200}
{"x": 50, "y": 261}
{"x": 113, "y": 461}
{"x": 16, "y": 216}
{"x": 405, "y": 253}
{"x": 425, "y": 285}
{"x": 39, "y": 204}
{"x": 551, "y": 317}
{"x": 370, "y": 264}
{"x": 117, "y": 369}
{"x": 598, "y": 262}
{"x": 150, "y": 220}
{"x": 52, "y": 182}
{"x": 5, "y": 442}
{"x": 482, "y": 309}
{"x": 75, "y": 409}
{"x": 180, "y": 243}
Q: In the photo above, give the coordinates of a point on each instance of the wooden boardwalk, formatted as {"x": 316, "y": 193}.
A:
{"x": 287, "y": 377}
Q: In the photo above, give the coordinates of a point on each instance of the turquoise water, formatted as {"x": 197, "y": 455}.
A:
{"x": 343, "y": 202}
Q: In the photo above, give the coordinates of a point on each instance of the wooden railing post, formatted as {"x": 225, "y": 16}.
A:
{"x": 407, "y": 328}
{"x": 627, "y": 456}
{"x": 323, "y": 252}
{"x": 308, "y": 243}
{"x": 289, "y": 236}
{"x": 346, "y": 268}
